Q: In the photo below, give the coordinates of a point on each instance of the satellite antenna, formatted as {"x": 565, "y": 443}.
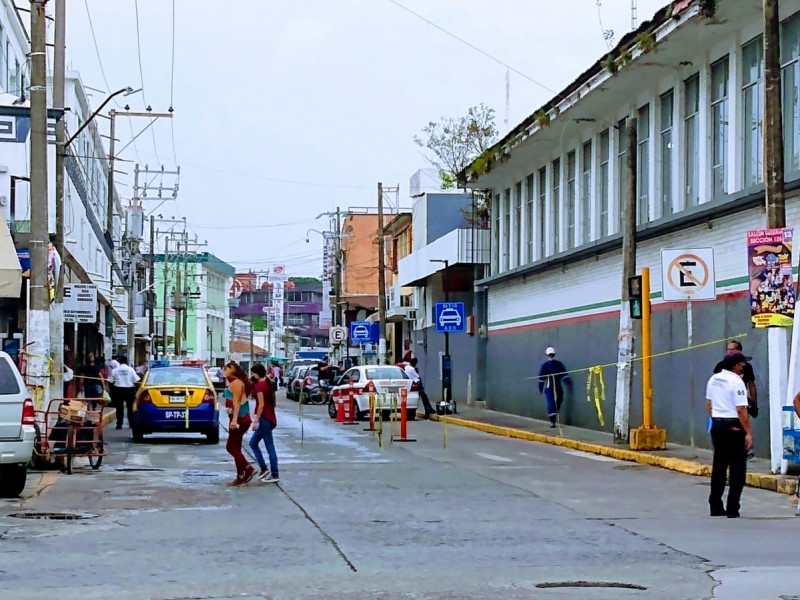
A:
{"x": 634, "y": 18}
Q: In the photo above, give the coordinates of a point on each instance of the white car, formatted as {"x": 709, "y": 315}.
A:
{"x": 449, "y": 316}
{"x": 17, "y": 429}
{"x": 385, "y": 381}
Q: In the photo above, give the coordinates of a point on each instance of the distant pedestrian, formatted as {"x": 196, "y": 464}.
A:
{"x": 276, "y": 372}
{"x": 264, "y": 422}
{"x": 411, "y": 370}
{"x": 552, "y": 377}
{"x": 238, "y": 408}
{"x": 89, "y": 380}
{"x": 409, "y": 354}
{"x": 726, "y": 401}
{"x": 748, "y": 376}
{"x": 123, "y": 380}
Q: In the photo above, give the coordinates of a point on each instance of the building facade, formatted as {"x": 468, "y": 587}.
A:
{"x": 691, "y": 84}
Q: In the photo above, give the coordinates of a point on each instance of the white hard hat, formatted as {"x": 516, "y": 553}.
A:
{"x": 550, "y": 350}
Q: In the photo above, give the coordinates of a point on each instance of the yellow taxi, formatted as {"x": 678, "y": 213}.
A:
{"x": 176, "y": 399}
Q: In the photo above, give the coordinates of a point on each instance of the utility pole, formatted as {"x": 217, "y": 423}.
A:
{"x": 381, "y": 279}
{"x": 110, "y": 183}
{"x": 252, "y": 346}
{"x": 57, "y": 306}
{"x": 779, "y": 392}
{"x": 337, "y": 232}
{"x": 165, "y": 271}
{"x": 177, "y": 304}
{"x": 622, "y": 405}
{"x": 151, "y": 291}
{"x": 38, "y": 334}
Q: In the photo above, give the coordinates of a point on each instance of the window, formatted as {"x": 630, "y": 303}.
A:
{"x": 570, "y": 204}
{"x": 691, "y": 128}
{"x": 3, "y": 66}
{"x": 529, "y": 217}
{"x": 541, "y": 212}
{"x": 294, "y": 297}
{"x": 790, "y": 74}
{"x": 506, "y": 228}
{"x": 667, "y": 109}
{"x": 719, "y": 126}
{"x": 643, "y": 165}
{"x": 556, "y": 199}
{"x": 603, "y": 183}
{"x": 518, "y": 223}
{"x": 753, "y": 110}
{"x": 496, "y": 258}
{"x": 586, "y": 192}
{"x": 622, "y": 169}
{"x": 14, "y": 78}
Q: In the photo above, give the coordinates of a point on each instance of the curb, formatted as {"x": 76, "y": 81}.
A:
{"x": 774, "y": 483}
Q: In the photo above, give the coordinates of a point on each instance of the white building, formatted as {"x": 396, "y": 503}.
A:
{"x": 694, "y": 83}
{"x": 88, "y": 255}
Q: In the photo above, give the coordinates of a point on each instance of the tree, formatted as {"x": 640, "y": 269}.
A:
{"x": 259, "y": 324}
{"x": 454, "y": 142}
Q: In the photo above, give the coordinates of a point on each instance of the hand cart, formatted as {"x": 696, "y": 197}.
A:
{"x": 70, "y": 428}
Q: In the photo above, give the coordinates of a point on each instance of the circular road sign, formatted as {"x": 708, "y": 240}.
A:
{"x": 338, "y": 334}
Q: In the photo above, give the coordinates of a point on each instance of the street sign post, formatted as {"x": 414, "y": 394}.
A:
{"x": 688, "y": 275}
{"x": 450, "y": 317}
{"x": 337, "y": 335}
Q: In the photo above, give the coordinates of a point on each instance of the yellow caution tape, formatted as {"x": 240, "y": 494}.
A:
{"x": 596, "y": 389}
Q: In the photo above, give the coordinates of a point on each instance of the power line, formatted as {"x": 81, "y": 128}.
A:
{"x": 608, "y": 34}
{"x": 474, "y": 47}
{"x": 237, "y": 227}
{"x": 172, "y": 87}
{"x": 141, "y": 73}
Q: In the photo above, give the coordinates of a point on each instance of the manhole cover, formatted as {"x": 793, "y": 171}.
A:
{"x": 137, "y": 469}
{"x": 53, "y": 516}
{"x": 631, "y": 468}
{"x": 590, "y": 584}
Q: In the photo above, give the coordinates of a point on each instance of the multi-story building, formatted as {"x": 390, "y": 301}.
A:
{"x": 691, "y": 79}
{"x": 91, "y": 254}
{"x": 196, "y": 286}
{"x": 440, "y": 256}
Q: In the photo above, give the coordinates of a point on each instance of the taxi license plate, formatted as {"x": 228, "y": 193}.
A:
{"x": 175, "y": 414}
{"x": 177, "y": 399}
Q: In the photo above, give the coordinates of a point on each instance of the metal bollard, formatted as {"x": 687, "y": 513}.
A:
{"x": 371, "y": 413}
{"x": 404, "y": 418}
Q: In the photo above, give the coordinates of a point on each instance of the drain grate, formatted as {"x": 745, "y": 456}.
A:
{"x": 53, "y": 516}
{"x": 590, "y": 584}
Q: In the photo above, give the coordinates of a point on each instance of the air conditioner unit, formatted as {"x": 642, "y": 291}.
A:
{"x": 411, "y": 314}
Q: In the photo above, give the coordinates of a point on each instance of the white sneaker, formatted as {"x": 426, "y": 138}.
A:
{"x": 270, "y": 479}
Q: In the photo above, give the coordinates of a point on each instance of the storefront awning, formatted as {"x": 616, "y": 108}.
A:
{"x": 10, "y": 271}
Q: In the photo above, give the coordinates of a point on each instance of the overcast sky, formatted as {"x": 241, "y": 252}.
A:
{"x": 284, "y": 110}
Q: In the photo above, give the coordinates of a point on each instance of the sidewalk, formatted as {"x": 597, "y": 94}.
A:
{"x": 675, "y": 458}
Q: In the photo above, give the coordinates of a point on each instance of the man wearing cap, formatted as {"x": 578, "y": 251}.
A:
{"x": 551, "y": 376}
{"x": 726, "y": 401}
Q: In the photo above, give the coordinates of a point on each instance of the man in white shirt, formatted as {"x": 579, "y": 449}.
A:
{"x": 124, "y": 380}
{"x": 413, "y": 375}
{"x": 726, "y": 401}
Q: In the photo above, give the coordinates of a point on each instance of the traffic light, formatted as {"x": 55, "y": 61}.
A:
{"x": 635, "y": 296}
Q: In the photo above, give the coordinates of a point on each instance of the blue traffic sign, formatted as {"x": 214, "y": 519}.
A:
{"x": 364, "y": 332}
{"x": 450, "y": 317}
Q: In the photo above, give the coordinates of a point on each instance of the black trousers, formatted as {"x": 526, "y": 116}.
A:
{"x": 123, "y": 400}
{"x": 425, "y": 400}
{"x": 729, "y": 455}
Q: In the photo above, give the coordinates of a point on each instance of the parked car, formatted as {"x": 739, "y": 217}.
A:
{"x": 309, "y": 382}
{"x": 217, "y": 378}
{"x": 384, "y": 381}
{"x": 17, "y": 429}
{"x": 292, "y": 390}
{"x": 176, "y": 399}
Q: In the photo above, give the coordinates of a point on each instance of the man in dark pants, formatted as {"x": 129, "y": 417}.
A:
{"x": 552, "y": 375}
{"x": 748, "y": 376}
{"x": 411, "y": 370}
{"x": 726, "y": 401}
{"x": 124, "y": 380}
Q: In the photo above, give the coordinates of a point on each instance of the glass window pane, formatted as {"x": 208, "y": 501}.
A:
{"x": 518, "y": 223}
{"x": 752, "y": 61}
{"x": 719, "y": 127}
{"x": 586, "y": 192}
{"x": 541, "y": 211}
{"x": 791, "y": 115}
{"x": 622, "y": 170}
{"x": 603, "y": 183}
{"x": 556, "y": 175}
{"x": 667, "y": 109}
{"x": 506, "y": 227}
{"x": 570, "y": 216}
{"x": 529, "y": 217}
{"x": 692, "y": 136}
{"x": 790, "y": 39}
{"x": 719, "y": 80}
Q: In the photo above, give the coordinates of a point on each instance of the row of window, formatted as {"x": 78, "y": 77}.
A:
{"x": 575, "y": 198}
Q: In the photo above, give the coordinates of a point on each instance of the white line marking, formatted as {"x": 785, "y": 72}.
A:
{"x": 494, "y": 457}
{"x": 590, "y": 456}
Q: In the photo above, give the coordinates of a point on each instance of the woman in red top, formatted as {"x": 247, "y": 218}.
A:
{"x": 264, "y": 422}
{"x": 239, "y": 413}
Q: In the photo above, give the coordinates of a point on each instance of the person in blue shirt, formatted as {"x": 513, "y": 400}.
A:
{"x": 552, "y": 377}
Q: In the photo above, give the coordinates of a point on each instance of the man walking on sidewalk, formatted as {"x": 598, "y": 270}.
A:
{"x": 124, "y": 380}
{"x": 552, "y": 375}
{"x": 726, "y": 401}
{"x": 411, "y": 370}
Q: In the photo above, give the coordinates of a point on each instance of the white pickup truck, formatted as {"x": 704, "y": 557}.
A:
{"x": 17, "y": 429}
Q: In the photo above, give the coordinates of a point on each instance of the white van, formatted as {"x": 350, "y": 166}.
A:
{"x": 17, "y": 429}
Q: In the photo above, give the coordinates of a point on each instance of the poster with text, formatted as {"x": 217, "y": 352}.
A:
{"x": 769, "y": 270}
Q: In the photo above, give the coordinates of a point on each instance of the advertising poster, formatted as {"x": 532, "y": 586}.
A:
{"x": 769, "y": 270}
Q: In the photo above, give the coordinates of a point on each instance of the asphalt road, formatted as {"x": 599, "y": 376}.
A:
{"x": 485, "y": 517}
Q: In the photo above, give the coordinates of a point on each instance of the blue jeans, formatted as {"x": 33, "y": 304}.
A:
{"x": 264, "y": 432}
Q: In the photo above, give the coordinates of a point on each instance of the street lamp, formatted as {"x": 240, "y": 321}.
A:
{"x": 127, "y": 91}
{"x": 446, "y": 365}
